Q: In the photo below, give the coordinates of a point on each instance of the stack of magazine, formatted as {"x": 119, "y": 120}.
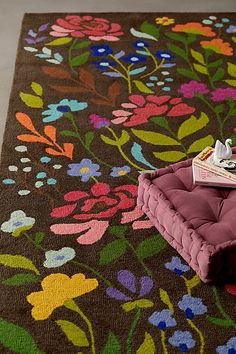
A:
{"x": 205, "y": 172}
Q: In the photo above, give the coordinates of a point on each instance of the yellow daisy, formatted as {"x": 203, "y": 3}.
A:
{"x": 164, "y": 21}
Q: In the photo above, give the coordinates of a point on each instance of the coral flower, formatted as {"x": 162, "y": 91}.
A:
{"x": 164, "y": 21}
{"x": 58, "y": 288}
{"x": 194, "y": 28}
{"x": 218, "y": 46}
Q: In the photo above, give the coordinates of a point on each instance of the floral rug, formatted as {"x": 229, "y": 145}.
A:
{"x": 96, "y": 99}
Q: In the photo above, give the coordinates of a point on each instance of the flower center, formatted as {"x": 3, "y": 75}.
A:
{"x": 59, "y": 258}
{"x": 18, "y": 223}
{"x": 140, "y": 44}
{"x": 101, "y": 50}
{"x": 84, "y": 169}
{"x": 63, "y": 109}
{"x": 165, "y": 56}
{"x": 122, "y": 172}
{"x": 134, "y": 59}
{"x": 104, "y": 63}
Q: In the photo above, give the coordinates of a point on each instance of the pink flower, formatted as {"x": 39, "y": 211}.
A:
{"x": 98, "y": 121}
{"x": 188, "y": 90}
{"x": 94, "y": 28}
{"x": 134, "y": 216}
{"x": 221, "y": 94}
{"x": 140, "y": 109}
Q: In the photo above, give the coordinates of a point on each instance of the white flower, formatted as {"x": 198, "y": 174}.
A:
{"x": 56, "y": 259}
{"x": 17, "y": 223}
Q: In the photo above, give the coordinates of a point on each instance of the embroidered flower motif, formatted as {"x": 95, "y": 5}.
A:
{"x": 98, "y": 121}
{"x": 134, "y": 59}
{"x": 192, "y": 306}
{"x": 231, "y": 29}
{"x": 129, "y": 282}
{"x": 56, "y": 259}
{"x": 85, "y": 169}
{"x": 138, "y": 219}
{"x": 177, "y": 266}
{"x": 182, "y": 340}
{"x": 166, "y": 55}
{"x": 140, "y": 44}
{"x": 140, "y": 109}
{"x": 228, "y": 348}
{"x": 103, "y": 65}
{"x": 189, "y": 89}
{"x": 120, "y": 171}
{"x": 194, "y": 28}
{"x": 162, "y": 320}
{"x": 231, "y": 289}
{"x": 100, "y": 50}
{"x": 218, "y": 46}
{"x": 56, "y": 111}
{"x": 222, "y": 94}
{"x": 164, "y": 21}
{"x": 56, "y": 289}
{"x": 17, "y": 223}
{"x": 94, "y": 28}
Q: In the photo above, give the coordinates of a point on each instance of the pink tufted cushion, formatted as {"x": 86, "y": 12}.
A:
{"x": 199, "y": 222}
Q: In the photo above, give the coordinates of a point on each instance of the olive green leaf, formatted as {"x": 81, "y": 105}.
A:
{"x": 16, "y": 261}
{"x": 166, "y": 299}
{"x": 112, "y": 345}
{"x": 124, "y": 138}
{"x": 31, "y": 100}
{"x": 151, "y": 246}
{"x": 192, "y": 125}
{"x": 73, "y": 333}
{"x": 231, "y": 82}
{"x": 20, "y": 279}
{"x": 37, "y": 88}
{"x": 231, "y": 69}
{"x": 170, "y": 156}
{"x": 60, "y": 41}
{"x": 148, "y": 345}
{"x": 219, "y": 321}
{"x": 200, "y": 144}
{"x": 215, "y": 63}
{"x": 200, "y": 68}
{"x": 154, "y": 138}
{"x": 141, "y": 303}
{"x": 197, "y": 56}
{"x": 142, "y": 87}
{"x": 194, "y": 281}
{"x": 112, "y": 251}
{"x": 234, "y": 39}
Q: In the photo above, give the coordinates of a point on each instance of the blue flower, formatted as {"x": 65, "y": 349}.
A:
{"x": 134, "y": 59}
{"x": 56, "y": 111}
{"x": 176, "y": 266}
{"x": 162, "y": 319}
{"x": 183, "y": 340}
{"x": 192, "y": 306}
{"x": 231, "y": 29}
{"x": 56, "y": 259}
{"x": 84, "y": 169}
{"x": 45, "y": 159}
{"x": 100, "y": 50}
{"x": 164, "y": 55}
{"x": 104, "y": 64}
{"x": 228, "y": 348}
{"x": 140, "y": 44}
{"x": 120, "y": 171}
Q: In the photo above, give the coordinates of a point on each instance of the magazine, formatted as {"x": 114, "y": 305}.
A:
{"x": 205, "y": 177}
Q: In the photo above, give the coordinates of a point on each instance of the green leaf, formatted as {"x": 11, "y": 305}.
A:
{"x": 219, "y": 321}
{"x": 192, "y": 125}
{"x": 161, "y": 121}
{"x": 148, "y": 345}
{"x": 20, "y": 279}
{"x": 188, "y": 73}
{"x": 37, "y": 88}
{"x": 231, "y": 82}
{"x": 200, "y": 68}
{"x": 60, "y": 41}
{"x": 148, "y": 28}
{"x": 80, "y": 59}
{"x": 80, "y": 45}
{"x": 197, "y": 56}
{"x": 69, "y": 133}
{"x": 170, "y": 156}
{"x": 234, "y": 39}
{"x": 177, "y": 50}
{"x": 112, "y": 251}
{"x": 218, "y": 74}
{"x": 31, "y": 100}
{"x": 17, "y": 339}
{"x": 151, "y": 246}
{"x": 39, "y": 236}
{"x": 118, "y": 230}
{"x": 231, "y": 69}
{"x": 73, "y": 333}
{"x": 88, "y": 139}
{"x": 154, "y": 138}
{"x": 112, "y": 345}
{"x": 215, "y": 63}
{"x": 219, "y": 108}
{"x": 142, "y": 87}
{"x": 200, "y": 144}
{"x": 176, "y": 37}
{"x": 194, "y": 281}
{"x": 15, "y": 261}
{"x": 166, "y": 300}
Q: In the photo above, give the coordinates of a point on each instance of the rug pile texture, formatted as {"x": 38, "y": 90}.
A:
{"x": 97, "y": 98}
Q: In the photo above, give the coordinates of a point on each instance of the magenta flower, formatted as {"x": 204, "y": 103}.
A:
{"x": 98, "y": 121}
{"x": 222, "y": 94}
{"x": 188, "y": 90}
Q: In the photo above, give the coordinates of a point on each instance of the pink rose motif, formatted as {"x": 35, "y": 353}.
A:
{"x": 94, "y": 28}
{"x": 140, "y": 109}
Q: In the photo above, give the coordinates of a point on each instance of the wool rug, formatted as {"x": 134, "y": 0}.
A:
{"x": 96, "y": 99}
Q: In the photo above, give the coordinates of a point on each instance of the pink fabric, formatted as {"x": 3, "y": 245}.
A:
{"x": 199, "y": 222}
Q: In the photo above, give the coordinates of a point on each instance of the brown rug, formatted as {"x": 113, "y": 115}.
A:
{"x": 97, "y": 98}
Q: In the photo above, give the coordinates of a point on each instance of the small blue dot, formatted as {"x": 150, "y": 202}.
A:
{"x": 166, "y": 88}
{"x": 219, "y": 25}
{"x": 45, "y": 159}
{"x": 8, "y": 181}
{"x": 51, "y": 181}
{"x": 150, "y": 84}
{"x": 169, "y": 79}
{"x": 41, "y": 175}
{"x": 153, "y": 78}
{"x": 225, "y": 20}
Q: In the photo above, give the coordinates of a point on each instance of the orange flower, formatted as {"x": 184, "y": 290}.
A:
{"x": 194, "y": 28}
{"x": 164, "y": 21}
{"x": 218, "y": 46}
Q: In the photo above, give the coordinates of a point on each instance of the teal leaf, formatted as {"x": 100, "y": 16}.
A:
{"x": 170, "y": 156}
{"x": 177, "y": 50}
{"x": 139, "y": 34}
{"x": 137, "y": 153}
{"x": 16, "y": 261}
{"x": 80, "y": 59}
{"x": 151, "y": 246}
{"x": 73, "y": 333}
{"x": 17, "y": 339}
{"x": 88, "y": 139}
{"x": 154, "y": 138}
{"x": 192, "y": 125}
{"x": 150, "y": 29}
{"x": 20, "y": 279}
{"x": 138, "y": 70}
{"x": 142, "y": 87}
{"x": 219, "y": 321}
{"x": 112, "y": 345}
{"x": 218, "y": 74}
{"x": 188, "y": 73}
{"x": 200, "y": 144}
{"x": 112, "y": 251}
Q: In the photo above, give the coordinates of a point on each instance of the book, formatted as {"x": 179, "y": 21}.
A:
{"x": 205, "y": 160}
{"x": 205, "y": 177}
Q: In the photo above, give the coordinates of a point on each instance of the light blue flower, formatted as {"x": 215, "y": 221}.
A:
{"x": 231, "y": 29}
{"x": 162, "y": 319}
{"x": 85, "y": 169}
{"x": 57, "y": 110}
{"x": 51, "y": 181}
{"x": 183, "y": 340}
{"x": 56, "y": 259}
{"x": 177, "y": 266}
{"x": 228, "y": 348}
{"x": 45, "y": 159}
{"x": 192, "y": 306}
{"x": 120, "y": 171}
{"x": 41, "y": 175}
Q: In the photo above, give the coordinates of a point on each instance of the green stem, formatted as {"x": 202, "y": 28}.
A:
{"x": 94, "y": 271}
{"x": 180, "y": 141}
{"x": 127, "y": 76}
{"x": 220, "y": 308}
{"x": 33, "y": 242}
{"x": 132, "y": 330}
{"x": 163, "y": 342}
{"x": 95, "y": 179}
{"x": 156, "y": 64}
{"x": 192, "y": 325}
{"x": 70, "y": 55}
{"x": 207, "y": 54}
{"x": 189, "y": 62}
{"x": 71, "y": 305}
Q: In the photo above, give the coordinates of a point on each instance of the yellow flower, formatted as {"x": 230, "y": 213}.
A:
{"x": 164, "y": 21}
{"x": 58, "y": 288}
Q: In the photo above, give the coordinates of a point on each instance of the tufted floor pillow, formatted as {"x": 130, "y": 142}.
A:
{"x": 199, "y": 222}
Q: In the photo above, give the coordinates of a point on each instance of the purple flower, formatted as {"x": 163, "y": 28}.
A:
{"x": 162, "y": 319}
{"x": 221, "y": 94}
{"x": 182, "y": 340}
{"x": 229, "y": 347}
{"x": 188, "y": 90}
{"x": 98, "y": 121}
{"x": 192, "y": 306}
{"x": 120, "y": 171}
{"x": 231, "y": 29}
{"x": 177, "y": 266}
{"x": 85, "y": 169}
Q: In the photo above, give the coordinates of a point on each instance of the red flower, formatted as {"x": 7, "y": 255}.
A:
{"x": 144, "y": 108}
{"x": 231, "y": 289}
{"x": 94, "y": 28}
